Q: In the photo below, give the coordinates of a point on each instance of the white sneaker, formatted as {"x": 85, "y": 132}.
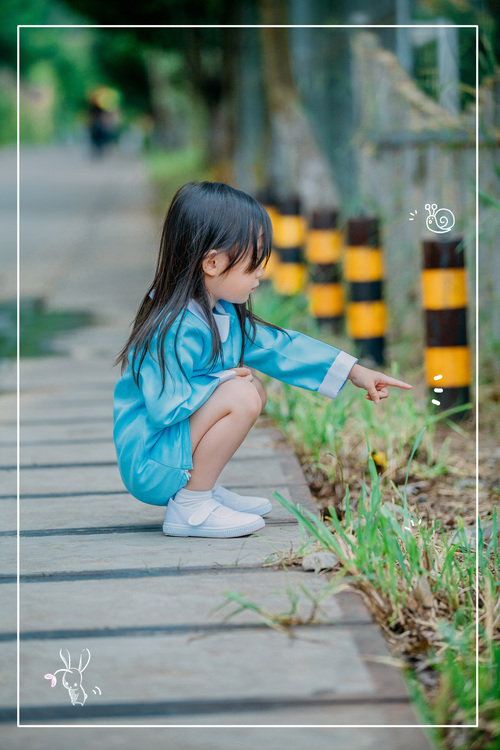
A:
{"x": 242, "y": 503}
{"x": 210, "y": 519}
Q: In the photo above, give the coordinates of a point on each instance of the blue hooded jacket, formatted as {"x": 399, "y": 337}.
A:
{"x": 151, "y": 429}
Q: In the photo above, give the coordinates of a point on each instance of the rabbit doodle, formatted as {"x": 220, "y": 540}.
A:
{"x": 72, "y": 677}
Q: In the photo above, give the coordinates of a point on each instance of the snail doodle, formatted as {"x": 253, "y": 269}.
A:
{"x": 439, "y": 221}
{"x": 72, "y": 677}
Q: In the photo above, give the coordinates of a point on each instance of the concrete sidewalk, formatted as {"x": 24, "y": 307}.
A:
{"x": 96, "y": 571}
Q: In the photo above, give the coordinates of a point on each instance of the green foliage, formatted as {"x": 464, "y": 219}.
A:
{"x": 58, "y": 68}
{"x": 168, "y": 170}
{"x": 407, "y": 567}
{"x": 8, "y": 107}
{"x": 286, "y": 312}
{"x": 328, "y": 430}
{"x": 393, "y": 559}
{"x": 37, "y": 327}
{"x": 65, "y": 64}
{"x": 462, "y": 13}
{"x": 489, "y": 343}
{"x": 38, "y": 103}
{"x": 119, "y": 59}
{"x": 284, "y": 621}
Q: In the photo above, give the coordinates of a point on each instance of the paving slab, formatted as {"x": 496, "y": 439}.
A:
{"x": 106, "y": 341}
{"x": 242, "y": 737}
{"x": 175, "y": 603}
{"x": 32, "y": 452}
{"x": 80, "y": 514}
{"x": 142, "y": 551}
{"x": 8, "y": 672}
{"x": 50, "y": 433}
{"x": 57, "y": 477}
{"x": 68, "y": 479}
{"x": 51, "y": 370}
{"x": 197, "y": 666}
{"x": 66, "y": 410}
{"x": 203, "y": 674}
{"x": 41, "y": 454}
{"x": 9, "y": 402}
{"x": 50, "y": 396}
{"x": 8, "y": 513}
{"x": 8, "y": 477}
{"x": 9, "y": 556}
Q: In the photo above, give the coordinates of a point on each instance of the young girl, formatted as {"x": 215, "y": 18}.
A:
{"x": 187, "y": 399}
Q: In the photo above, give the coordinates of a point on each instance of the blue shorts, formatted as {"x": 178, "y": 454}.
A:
{"x": 156, "y": 483}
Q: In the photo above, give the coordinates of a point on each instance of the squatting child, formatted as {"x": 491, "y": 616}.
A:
{"x": 186, "y": 398}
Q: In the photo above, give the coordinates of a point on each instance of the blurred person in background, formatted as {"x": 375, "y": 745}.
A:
{"x": 103, "y": 119}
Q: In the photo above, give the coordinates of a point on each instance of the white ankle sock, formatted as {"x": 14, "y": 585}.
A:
{"x": 192, "y": 497}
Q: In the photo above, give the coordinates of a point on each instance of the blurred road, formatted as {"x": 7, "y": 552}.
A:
{"x": 75, "y": 212}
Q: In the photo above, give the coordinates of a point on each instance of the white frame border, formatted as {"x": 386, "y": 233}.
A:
{"x": 250, "y": 26}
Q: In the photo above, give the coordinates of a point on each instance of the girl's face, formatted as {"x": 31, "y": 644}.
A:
{"x": 234, "y": 286}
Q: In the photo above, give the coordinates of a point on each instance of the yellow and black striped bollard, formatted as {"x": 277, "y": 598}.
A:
{"x": 323, "y": 254}
{"x": 363, "y": 269}
{"x": 265, "y": 197}
{"x": 444, "y": 293}
{"x": 289, "y": 237}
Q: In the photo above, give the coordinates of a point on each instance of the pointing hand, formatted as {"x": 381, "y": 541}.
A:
{"x": 376, "y": 383}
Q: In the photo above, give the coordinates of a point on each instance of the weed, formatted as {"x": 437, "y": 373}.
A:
{"x": 286, "y": 620}
{"x": 419, "y": 583}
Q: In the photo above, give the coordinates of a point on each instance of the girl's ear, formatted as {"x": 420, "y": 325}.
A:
{"x": 212, "y": 263}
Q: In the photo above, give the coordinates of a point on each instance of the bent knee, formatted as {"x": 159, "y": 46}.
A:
{"x": 242, "y": 396}
{"x": 261, "y": 391}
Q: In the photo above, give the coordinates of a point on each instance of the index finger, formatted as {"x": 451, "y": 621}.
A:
{"x": 398, "y": 383}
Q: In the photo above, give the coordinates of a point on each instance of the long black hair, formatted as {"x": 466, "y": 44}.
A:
{"x": 202, "y": 216}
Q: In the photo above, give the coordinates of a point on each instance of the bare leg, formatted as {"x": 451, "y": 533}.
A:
{"x": 262, "y": 391}
{"x": 219, "y": 427}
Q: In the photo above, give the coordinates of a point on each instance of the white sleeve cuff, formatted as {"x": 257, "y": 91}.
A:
{"x": 223, "y": 375}
{"x": 336, "y": 377}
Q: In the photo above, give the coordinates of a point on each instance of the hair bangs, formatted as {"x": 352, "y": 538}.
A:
{"x": 250, "y": 238}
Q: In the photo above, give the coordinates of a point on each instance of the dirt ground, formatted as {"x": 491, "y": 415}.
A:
{"x": 449, "y": 495}
{"x": 445, "y": 497}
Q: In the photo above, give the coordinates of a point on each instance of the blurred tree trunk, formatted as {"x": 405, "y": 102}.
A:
{"x": 168, "y": 132}
{"x": 252, "y": 149}
{"x": 214, "y": 82}
{"x": 298, "y": 164}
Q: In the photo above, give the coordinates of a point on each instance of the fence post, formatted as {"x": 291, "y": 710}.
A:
{"x": 323, "y": 254}
{"x": 444, "y": 294}
{"x": 289, "y": 238}
{"x": 363, "y": 269}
